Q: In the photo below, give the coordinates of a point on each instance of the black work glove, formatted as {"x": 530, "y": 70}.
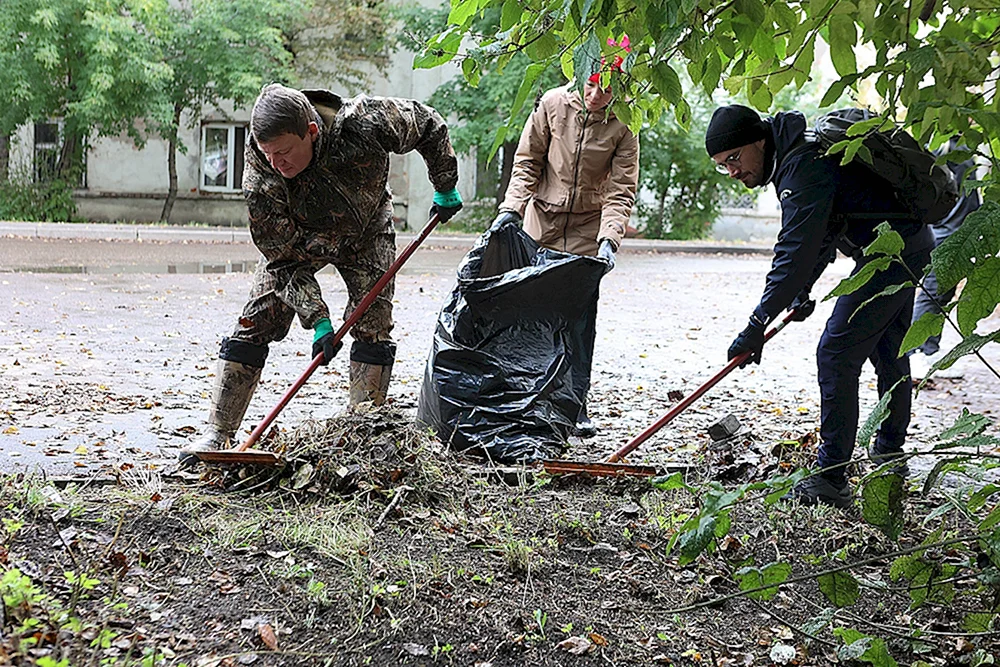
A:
{"x": 606, "y": 251}
{"x": 750, "y": 340}
{"x": 323, "y": 341}
{"x": 446, "y": 205}
{"x": 503, "y": 218}
{"x": 803, "y": 306}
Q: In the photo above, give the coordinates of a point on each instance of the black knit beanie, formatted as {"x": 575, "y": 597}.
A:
{"x": 733, "y": 126}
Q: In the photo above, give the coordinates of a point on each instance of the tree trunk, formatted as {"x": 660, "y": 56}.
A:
{"x": 168, "y": 205}
{"x": 506, "y": 169}
{"x": 70, "y": 165}
{"x": 4, "y": 157}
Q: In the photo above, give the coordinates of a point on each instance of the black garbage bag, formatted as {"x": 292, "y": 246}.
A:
{"x": 509, "y": 369}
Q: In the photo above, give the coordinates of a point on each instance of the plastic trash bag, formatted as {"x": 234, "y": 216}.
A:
{"x": 510, "y": 365}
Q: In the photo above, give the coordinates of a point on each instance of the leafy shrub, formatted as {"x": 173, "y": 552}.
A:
{"x": 22, "y": 199}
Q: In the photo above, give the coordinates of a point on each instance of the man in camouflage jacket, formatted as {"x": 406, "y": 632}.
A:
{"x": 316, "y": 185}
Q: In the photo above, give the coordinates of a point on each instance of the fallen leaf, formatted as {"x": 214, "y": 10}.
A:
{"x": 415, "y": 649}
{"x": 782, "y": 654}
{"x": 267, "y": 636}
{"x": 575, "y": 645}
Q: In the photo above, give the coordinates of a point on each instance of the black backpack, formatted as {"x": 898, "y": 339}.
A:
{"x": 927, "y": 190}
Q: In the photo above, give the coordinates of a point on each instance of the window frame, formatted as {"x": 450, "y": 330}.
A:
{"x": 231, "y": 127}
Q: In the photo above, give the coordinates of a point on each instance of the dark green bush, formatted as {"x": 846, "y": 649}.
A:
{"x": 20, "y": 199}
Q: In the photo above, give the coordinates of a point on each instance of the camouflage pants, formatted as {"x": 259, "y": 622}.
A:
{"x": 266, "y": 318}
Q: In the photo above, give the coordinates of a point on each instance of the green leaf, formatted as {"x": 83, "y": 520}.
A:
{"x": 498, "y": 140}
{"x": 888, "y": 242}
{"x": 770, "y": 575}
{"x": 462, "y": 11}
{"x": 543, "y": 48}
{"x": 759, "y": 94}
{"x": 833, "y": 94}
{"x": 980, "y": 295}
{"x": 713, "y": 70}
{"x": 531, "y": 74}
{"x": 969, "y": 345}
{"x": 882, "y": 503}
{"x": 968, "y": 423}
{"x": 878, "y": 415}
{"x": 991, "y": 545}
{"x": 752, "y": 10}
{"x": 510, "y": 14}
{"x": 978, "y": 621}
{"x": 843, "y": 38}
{"x": 820, "y": 621}
{"x": 860, "y": 278}
{"x": 622, "y": 110}
{"x": 440, "y": 50}
{"x": 865, "y": 126}
{"x": 978, "y": 499}
{"x": 803, "y": 65}
{"x": 864, "y": 648}
{"x": 669, "y": 482}
{"x": 696, "y": 539}
{"x": 840, "y": 588}
{"x": 585, "y": 10}
{"x": 471, "y": 71}
{"x": 940, "y": 468}
{"x": 977, "y": 239}
{"x": 666, "y": 82}
{"x": 991, "y": 521}
{"x": 929, "y": 324}
{"x": 587, "y": 59}
{"x": 888, "y": 291}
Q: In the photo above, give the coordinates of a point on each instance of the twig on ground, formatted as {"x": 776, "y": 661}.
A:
{"x": 397, "y": 498}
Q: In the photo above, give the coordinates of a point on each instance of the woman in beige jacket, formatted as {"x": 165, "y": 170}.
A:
{"x": 574, "y": 182}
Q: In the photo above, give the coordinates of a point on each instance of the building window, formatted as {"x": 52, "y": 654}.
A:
{"x": 47, "y": 144}
{"x": 222, "y": 147}
{"x": 48, "y": 147}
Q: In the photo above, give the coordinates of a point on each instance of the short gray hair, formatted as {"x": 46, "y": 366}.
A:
{"x": 280, "y": 110}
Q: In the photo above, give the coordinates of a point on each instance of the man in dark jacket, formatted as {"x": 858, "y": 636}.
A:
{"x": 316, "y": 185}
{"x": 825, "y": 207}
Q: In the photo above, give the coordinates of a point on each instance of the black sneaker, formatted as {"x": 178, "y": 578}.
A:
{"x": 818, "y": 490}
{"x": 900, "y": 466}
{"x": 585, "y": 428}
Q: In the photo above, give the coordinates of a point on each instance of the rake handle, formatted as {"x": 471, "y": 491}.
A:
{"x": 693, "y": 396}
{"x": 341, "y": 332}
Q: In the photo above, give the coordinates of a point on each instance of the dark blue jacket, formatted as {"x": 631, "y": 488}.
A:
{"x": 818, "y": 199}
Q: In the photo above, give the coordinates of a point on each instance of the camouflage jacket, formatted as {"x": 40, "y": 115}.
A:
{"x": 323, "y": 213}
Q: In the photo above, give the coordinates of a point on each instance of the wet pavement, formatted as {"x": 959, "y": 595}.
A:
{"x": 108, "y": 351}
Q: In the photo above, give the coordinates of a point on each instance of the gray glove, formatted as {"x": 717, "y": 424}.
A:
{"x": 606, "y": 251}
{"x": 503, "y": 218}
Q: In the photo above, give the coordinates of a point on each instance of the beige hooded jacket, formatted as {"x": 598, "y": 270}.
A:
{"x": 575, "y": 175}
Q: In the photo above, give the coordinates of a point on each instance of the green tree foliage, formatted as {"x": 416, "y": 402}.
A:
{"x": 90, "y": 63}
{"x": 219, "y": 51}
{"x": 933, "y": 63}
{"x": 341, "y": 42}
{"x": 685, "y": 189}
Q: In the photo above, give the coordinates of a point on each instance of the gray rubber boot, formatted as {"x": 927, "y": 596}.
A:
{"x": 369, "y": 382}
{"x": 234, "y": 386}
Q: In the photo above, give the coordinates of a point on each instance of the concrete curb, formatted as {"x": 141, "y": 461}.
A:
{"x": 174, "y": 233}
